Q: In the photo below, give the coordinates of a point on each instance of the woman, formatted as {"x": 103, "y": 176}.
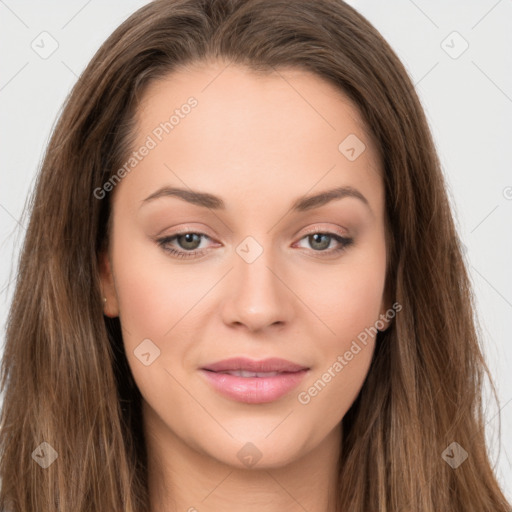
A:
{"x": 259, "y": 367}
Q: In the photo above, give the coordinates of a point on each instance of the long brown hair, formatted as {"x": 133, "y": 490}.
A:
{"x": 65, "y": 377}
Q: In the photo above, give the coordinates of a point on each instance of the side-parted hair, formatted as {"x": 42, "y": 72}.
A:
{"x": 64, "y": 374}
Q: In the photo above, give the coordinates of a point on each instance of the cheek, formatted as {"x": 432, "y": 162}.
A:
{"x": 333, "y": 387}
{"x": 348, "y": 299}
{"x": 154, "y": 295}
{"x": 154, "y": 298}
{"x": 343, "y": 355}
{"x": 349, "y": 305}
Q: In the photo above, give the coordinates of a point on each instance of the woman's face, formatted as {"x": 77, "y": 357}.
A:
{"x": 238, "y": 167}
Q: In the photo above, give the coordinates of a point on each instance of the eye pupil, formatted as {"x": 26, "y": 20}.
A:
{"x": 316, "y": 239}
{"x": 189, "y": 239}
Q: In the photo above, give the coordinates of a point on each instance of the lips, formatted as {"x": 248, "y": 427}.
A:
{"x": 254, "y": 382}
{"x": 244, "y": 373}
{"x": 243, "y": 364}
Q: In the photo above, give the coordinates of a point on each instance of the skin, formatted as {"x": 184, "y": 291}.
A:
{"x": 259, "y": 142}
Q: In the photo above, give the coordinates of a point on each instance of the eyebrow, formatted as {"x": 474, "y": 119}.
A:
{"x": 301, "y": 204}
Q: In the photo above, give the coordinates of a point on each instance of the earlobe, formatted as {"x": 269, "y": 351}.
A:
{"x": 107, "y": 285}
{"x": 386, "y": 313}
{"x": 384, "y": 321}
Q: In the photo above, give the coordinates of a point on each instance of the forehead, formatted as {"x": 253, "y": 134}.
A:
{"x": 234, "y": 96}
{"x": 260, "y": 132}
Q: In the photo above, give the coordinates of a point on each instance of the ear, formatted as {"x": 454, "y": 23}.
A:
{"x": 107, "y": 284}
{"x": 386, "y": 307}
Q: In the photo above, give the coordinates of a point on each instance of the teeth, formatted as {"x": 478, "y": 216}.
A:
{"x": 243, "y": 373}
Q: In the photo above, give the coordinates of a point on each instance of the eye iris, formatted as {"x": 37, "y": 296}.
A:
{"x": 315, "y": 238}
{"x": 189, "y": 238}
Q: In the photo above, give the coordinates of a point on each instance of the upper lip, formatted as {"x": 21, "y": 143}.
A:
{"x": 265, "y": 365}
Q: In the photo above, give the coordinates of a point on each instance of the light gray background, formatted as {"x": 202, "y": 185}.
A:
{"x": 467, "y": 98}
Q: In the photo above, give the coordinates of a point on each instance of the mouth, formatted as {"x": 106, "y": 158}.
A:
{"x": 254, "y": 382}
{"x": 246, "y": 373}
{"x": 271, "y": 365}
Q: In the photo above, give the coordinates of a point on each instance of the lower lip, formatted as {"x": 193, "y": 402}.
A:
{"x": 254, "y": 390}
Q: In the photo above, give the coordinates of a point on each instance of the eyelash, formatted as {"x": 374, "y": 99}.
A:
{"x": 163, "y": 243}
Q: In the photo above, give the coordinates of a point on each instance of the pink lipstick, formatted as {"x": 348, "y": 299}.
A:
{"x": 254, "y": 382}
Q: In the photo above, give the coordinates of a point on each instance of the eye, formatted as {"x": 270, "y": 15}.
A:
{"x": 321, "y": 240}
{"x": 188, "y": 240}
{"x": 188, "y": 243}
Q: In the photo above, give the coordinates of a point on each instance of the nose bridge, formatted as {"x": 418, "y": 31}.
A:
{"x": 257, "y": 295}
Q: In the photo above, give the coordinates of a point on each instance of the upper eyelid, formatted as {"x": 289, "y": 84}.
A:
{"x": 341, "y": 231}
{"x": 328, "y": 231}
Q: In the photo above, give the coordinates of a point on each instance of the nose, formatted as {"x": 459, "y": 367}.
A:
{"x": 257, "y": 295}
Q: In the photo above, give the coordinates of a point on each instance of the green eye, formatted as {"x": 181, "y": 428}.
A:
{"x": 186, "y": 244}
